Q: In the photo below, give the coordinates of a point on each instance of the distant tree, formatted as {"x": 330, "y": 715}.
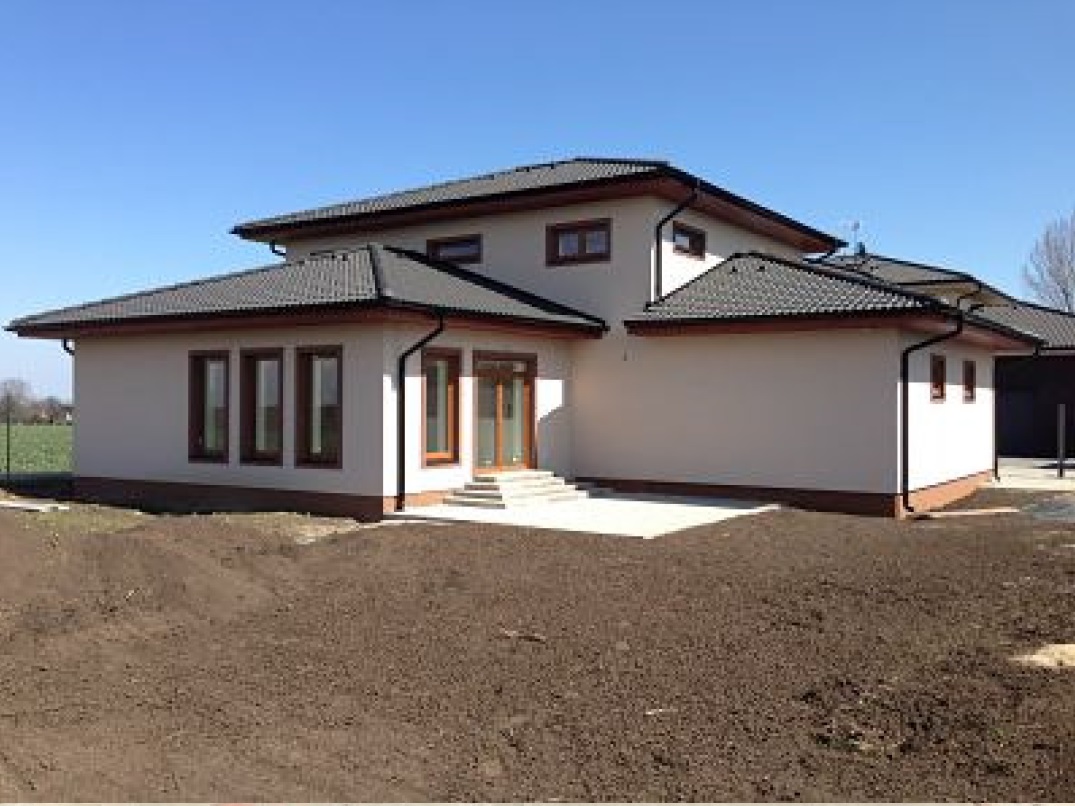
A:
{"x": 52, "y": 409}
{"x": 16, "y": 395}
{"x": 1050, "y": 270}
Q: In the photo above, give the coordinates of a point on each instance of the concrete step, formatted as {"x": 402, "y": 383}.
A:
{"x": 516, "y": 493}
{"x": 467, "y": 500}
{"x": 512, "y": 475}
{"x": 516, "y": 484}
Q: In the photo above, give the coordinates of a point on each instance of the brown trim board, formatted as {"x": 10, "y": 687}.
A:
{"x": 351, "y": 315}
{"x": 850, "y": 502}
{"x": 899, "y": 320}
{"x": 189, "y": 496}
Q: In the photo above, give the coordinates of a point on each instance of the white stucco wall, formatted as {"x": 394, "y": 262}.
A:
{"x": 799, "y": 410}
{"x": 552, "y": 399}
{"x": 132, "y": 402}
{"x": 949, "y": 439}
{"x": 513, "y": 251}
{"x": 722, "y": 241}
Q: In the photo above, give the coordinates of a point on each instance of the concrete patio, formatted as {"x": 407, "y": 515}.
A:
{"x": 644, "y": 516}
{"x": 1035, "y": 474}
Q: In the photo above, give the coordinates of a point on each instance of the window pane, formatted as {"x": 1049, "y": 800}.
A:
{"x": 683, "y": 241}
{"x": 567, "y": 244}
{"x": 267, "y": 406}
{"x": 437, "y": 407}
{"x": 324, "y": 407}
{"x": 457, "y": 250}
{"x": 215, "y": 413}
{"x": 596, "y": 242}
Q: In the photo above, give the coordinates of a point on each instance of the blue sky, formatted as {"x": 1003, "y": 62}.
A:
{"x": 134, "y": 134}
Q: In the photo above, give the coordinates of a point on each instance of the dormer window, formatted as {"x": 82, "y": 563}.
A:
{"x": 688, "y": 241}
{"x": 457, "y": 249}
{"x": 579, "y": 242}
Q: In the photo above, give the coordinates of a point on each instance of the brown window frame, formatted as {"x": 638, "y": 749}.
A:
{"x": 695, "y": 238}
{"x": 938, "y": 377}
{"x": 197, "y": 360}
{"x": 455, "y": 366}
{"x": 433, "y": 245}
{"x": 303, "y": 361}
{"x": 248, "y": 361}
{"x": 554, "y": 231}
{"x": 970, "y": 381}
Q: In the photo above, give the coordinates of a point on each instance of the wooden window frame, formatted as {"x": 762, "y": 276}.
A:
{"x": 938, "y": 377}
{"x": 248, "y": 361}
{"x": 303, "y": 360}
{"x": 455, "y": 365}
{"x": 970, "y": 380}
{"x": 435, "y": 244}
{"x": 694, "y": 236}
{"x": 196, "y": 362}
{"x": 554, "y": 231}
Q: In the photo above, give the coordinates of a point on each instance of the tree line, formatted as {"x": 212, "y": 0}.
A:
{"x": 18, "y": 402}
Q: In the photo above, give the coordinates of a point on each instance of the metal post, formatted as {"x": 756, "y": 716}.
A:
{"x": 7, "y": 450}
{"x": 1061, "y": 438}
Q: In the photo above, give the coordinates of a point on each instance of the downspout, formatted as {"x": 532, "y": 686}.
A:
{"x": 905, "y": 413}
{"x": 67, "y": 348}
{"x": 276, "y": 250}
{"x": 401, "y": 410}
{"x": 658, "y": 258}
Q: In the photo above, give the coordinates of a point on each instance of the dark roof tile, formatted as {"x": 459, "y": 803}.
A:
{"x": 368, "y": 275}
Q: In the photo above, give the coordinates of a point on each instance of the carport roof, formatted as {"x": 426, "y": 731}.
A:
{"x": 1055, "y": 327}
{"x": 369, "y": 276}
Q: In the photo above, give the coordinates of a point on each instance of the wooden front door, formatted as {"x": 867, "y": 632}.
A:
{"x": 504, "y": 411}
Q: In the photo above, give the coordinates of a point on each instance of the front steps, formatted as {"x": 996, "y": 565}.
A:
{"x": 514, "y": 488}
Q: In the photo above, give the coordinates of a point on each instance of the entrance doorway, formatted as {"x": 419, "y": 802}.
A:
{"x": 504, "y": 411}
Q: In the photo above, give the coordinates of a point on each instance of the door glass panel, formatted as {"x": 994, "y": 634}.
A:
{"x": 486, "y": 449}
{"x": 513, "y": 411}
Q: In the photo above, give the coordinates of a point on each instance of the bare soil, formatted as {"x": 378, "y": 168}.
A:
{"x": 789, "y": 655}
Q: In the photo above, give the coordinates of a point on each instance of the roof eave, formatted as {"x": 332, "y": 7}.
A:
{"x": 806, "y": 238}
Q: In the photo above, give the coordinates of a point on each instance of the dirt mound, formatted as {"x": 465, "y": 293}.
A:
{"x": 172, "y": 570}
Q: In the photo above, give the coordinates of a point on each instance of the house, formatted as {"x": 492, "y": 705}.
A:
{"x": 614, "y": 320}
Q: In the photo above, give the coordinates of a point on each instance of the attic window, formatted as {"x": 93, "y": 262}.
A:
{"x": 457, "y": 249}
{"x": 578, "y": 242}
{"x": 688, "y": 241}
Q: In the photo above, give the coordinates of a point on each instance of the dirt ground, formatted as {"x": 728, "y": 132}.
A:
{"x": 789, "y": 655}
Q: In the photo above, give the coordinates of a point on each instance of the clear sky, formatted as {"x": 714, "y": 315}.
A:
{"x": 133, "y": 135}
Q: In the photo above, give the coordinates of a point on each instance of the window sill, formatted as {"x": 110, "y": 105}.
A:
{"x": 315, "y": 464}
{"x": 267, "y": 461}
{"x": 575, "y": 261}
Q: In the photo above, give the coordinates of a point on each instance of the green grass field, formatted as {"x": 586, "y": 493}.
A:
{"x": 37, "y": 448}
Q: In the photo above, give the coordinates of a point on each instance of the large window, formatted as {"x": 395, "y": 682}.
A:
{"x": 970, "y": 381}
{"x": 579, "y": 242}
{"x": 459, "y": 249}
{"x": 688, "y": 240}
{"x": 261, "y": 398}
{"x": 320, "y": 406}
{"x": 938, "y": 377}
{"x": 440, "y": 373}
{"x": 208, "y": 414}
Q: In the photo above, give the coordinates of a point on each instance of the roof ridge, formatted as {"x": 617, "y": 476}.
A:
{"x": 462, "y": 180}
{"x": 494, "y": 285}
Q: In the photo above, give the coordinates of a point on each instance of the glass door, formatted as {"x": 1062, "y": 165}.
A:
{"x": 503, "y": 411}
